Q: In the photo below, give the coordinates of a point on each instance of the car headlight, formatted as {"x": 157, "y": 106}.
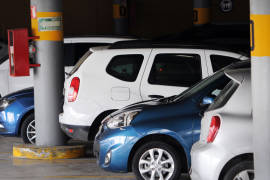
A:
{"x": 122, "y": 120}
{"x": 5, "y": 102}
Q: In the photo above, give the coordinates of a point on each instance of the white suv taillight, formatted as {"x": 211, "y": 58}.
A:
{"x": 214, "y": 127}
{"x": 73, "y": 89}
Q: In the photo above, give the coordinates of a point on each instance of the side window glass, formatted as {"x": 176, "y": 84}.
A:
{"x": 4, "y": 58}
{"x": 219, "y": 61}
{"x": 176, "y": 70}
{"x": 4, "y": 53}
{"x": 125, "y": 67}
{"x": 69, "y": 54}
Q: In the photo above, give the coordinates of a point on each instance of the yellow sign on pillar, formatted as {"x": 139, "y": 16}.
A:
{"x": 48, "y": 26}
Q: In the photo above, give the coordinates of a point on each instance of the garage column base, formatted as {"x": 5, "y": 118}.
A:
{"x": 48, "y": 153}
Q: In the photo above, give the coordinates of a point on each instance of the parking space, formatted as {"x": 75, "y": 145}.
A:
{"x": 83, "y": 168}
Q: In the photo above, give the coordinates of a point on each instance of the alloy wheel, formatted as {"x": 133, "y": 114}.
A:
{"x": 245, "y": 175}
{"x": 156, "y": 164}
{"x": 31, "y": 132}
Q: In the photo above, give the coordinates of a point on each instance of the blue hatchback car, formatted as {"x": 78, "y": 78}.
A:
{"x": 17, "y": 115}
{"x": 154, "y": 138}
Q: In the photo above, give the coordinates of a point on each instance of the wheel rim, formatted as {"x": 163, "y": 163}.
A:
{"x": 156, "y": 164}
{"x": 31, "y": 132}
{"x": 245, "y": 175}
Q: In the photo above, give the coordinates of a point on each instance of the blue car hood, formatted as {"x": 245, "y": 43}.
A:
{"x": 21, "y": 93}
{"x": 144, "y": 104}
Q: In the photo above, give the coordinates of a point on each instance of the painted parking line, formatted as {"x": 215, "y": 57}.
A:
{"x": 78, "y": 177}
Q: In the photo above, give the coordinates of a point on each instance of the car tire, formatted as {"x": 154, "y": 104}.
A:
{"x": 28, "y": 131}
{"x": 240, "y": 170}
{"x": 155, "y": 166}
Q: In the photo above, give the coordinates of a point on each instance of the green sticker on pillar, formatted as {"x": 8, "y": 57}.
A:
{"x": 50, "y": 24}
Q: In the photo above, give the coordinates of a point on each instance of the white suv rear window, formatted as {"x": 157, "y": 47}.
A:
{"x": 79, "y": 63}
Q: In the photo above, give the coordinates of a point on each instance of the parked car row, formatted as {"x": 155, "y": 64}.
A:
{"x": 154, "y": 138}
{"x": 17, "y": 106}
{"x": 108, "y": 78}
{"x": 154, "y": 109}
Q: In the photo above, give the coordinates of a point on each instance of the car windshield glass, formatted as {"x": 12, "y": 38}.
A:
{"x": 219, "y": 75}
{"x": 79, "y": 63}
{"x": 200, "y": 85}
{"x": 224, "y": 95}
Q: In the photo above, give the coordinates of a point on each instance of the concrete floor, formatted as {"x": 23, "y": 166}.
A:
{"x": 68, "y": 169}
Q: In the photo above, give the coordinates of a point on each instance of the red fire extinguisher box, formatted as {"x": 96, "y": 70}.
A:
{"x": 18, "y": 48}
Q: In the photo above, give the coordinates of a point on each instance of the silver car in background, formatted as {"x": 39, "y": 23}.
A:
{"x": 224, "y": 151}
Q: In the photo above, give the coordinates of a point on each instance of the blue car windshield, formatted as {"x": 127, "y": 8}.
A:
{"x": 218, "y": 77}
{"x": 200, "y": 85}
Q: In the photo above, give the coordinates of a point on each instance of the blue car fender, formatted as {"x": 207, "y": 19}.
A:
{"x": 21, "y": 117}
{"x": 181, "y": 141}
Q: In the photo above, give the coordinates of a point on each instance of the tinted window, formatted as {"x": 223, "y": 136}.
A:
{"x": 125, "y": 67}
{"x": 176, "y": 70}
{"x": 219, "y": 61}
{"x": 69, "y": 55}
{"x": 3, "y": 59}
{"x": 3, "y": 53}
{"x": 208, "y": 86}
{"x": 73, "y": 52}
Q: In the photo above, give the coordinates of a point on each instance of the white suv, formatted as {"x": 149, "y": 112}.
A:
{"x": 108, "y": 78}
{"x": 74, "y": 48}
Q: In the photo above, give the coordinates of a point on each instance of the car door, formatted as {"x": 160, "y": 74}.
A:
{"x": 125, "y": 70}
{"x": 219, "y": 59}
{"x": 171, "y": 71}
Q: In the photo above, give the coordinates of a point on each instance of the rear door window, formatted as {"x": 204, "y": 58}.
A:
{"x": 219, "y": 61}
{"x": 125, "y": 67}
{"x": 176, "y": 70}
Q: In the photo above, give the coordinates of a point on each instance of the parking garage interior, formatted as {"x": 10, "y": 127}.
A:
{"x": 59, "y": 52}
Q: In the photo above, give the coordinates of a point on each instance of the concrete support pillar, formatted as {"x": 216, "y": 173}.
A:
{"x": 46, "y": 20}
{"x": 120, "y": 16}
{"x": 201, "y": 12}
{"x": 260, "y": 41}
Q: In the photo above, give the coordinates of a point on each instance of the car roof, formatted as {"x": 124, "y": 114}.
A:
{"x": 139, "y": 44}
{"x": 98, "y": 39}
